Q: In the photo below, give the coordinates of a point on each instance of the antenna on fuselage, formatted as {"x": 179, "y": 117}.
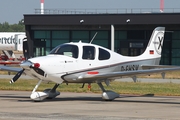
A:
{"x": 93, "y": 37}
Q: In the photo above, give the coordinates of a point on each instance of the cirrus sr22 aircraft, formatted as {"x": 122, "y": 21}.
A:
{"x": 89, "y": 63}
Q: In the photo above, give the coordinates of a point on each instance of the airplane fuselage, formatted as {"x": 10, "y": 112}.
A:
{"x": 66, "y": 68}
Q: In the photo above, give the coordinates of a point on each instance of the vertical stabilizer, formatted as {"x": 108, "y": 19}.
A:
{"x": 154, "y": 47}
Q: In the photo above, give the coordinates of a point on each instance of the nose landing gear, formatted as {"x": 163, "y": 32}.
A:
{"x": 47, "y": 93}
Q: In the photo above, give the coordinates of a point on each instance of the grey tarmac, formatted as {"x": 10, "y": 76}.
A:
{"x": 16, "y": 105}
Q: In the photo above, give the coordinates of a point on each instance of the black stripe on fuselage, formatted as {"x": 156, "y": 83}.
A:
{"x": 101, "y": 67}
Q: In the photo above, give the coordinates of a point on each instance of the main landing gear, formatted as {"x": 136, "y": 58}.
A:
{"x": 47, "y": 93}
{"x": 108, "y": 95}
{"x": 52, "y": 93}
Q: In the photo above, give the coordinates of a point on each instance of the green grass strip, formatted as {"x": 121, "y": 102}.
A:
{"x": 139, "y": 88}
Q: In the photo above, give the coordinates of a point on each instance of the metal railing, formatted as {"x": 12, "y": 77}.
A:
{"x": 107, "y": 11}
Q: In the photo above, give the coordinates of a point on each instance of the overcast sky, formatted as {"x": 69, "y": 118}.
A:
{"x": 12, "y": 11}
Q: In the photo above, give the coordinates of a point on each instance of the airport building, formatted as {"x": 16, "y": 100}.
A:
{"x": 126, "y": 32}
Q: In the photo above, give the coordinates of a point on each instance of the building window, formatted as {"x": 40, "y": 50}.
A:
{"x": 80, "y": 36}
{"x": 175, "y": 48}
{"x": 176, "y": 35}
{"x": 119, "y": 36}
{"x": 60, "y": 34}
{"x": 101, "y": 38}
{"x": 41, "y": 34}
{"x": 41, "y": 42}
{"x": 136, "y": 34}
{"x": 60, "y": 37}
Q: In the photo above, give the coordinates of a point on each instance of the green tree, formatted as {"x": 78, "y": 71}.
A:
{"x": 6, "y": 27}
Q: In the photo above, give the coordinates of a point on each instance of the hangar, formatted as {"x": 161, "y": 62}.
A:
{"x": 125, "y": 33}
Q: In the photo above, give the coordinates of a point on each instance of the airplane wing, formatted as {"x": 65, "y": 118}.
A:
{"x": 113, "y": 75}
{"x": 11, "y": 69}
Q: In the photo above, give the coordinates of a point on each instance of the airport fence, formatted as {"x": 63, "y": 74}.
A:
{"x": 106, "y": 11}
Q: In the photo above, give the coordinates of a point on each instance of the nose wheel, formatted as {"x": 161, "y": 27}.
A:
{"x": 48, "y": 93}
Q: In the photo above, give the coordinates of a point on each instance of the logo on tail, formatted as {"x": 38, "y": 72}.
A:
{"x": 158, "y": 42}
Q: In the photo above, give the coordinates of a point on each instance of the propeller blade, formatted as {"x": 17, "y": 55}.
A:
{"x": 15, "y": 78}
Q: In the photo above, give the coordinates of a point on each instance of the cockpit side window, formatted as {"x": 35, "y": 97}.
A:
{"x": 66, "y": 49}
{"x": 88, "y": 52}
{"x": 103, "y": 54}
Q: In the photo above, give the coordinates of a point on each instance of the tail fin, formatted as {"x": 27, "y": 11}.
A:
{"x": 154, "y": 47}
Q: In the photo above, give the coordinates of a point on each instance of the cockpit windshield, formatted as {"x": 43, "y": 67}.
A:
{"x": 66, "y": 49}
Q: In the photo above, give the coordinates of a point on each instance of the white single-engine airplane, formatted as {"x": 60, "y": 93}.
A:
{"x": 88, "y": 63}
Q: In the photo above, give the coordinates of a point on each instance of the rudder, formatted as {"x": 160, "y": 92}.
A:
{"x": 154, "y": 47}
